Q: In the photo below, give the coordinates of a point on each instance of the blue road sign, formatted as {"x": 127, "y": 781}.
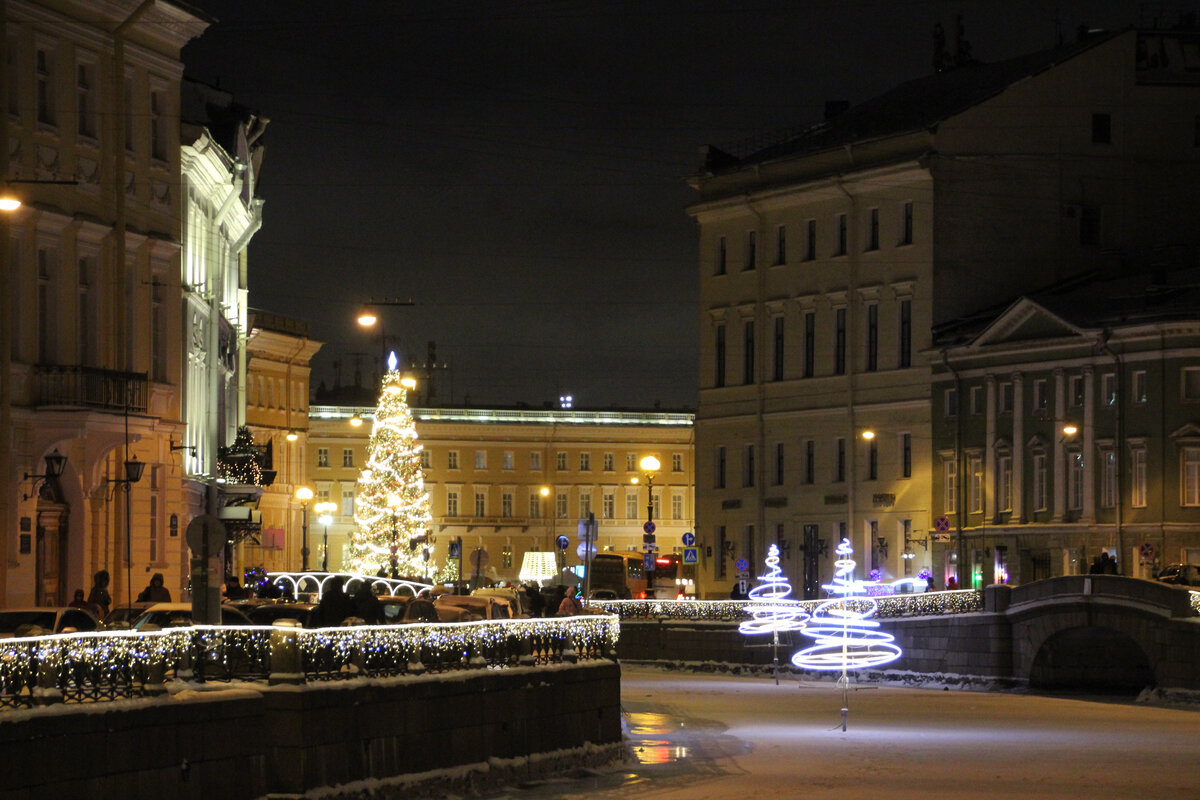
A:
{"x": 942, "y": 524}
{"x": 690, "y": 556}
{"x": 648, "y": 527}
{"x": 648, "y": 562}
{"x": 689, "y": 539}
{"x": 742, "y": 564}
{"x": 562, "y": 542}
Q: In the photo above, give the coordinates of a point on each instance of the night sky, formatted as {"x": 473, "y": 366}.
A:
{"x": 519, "y": 169}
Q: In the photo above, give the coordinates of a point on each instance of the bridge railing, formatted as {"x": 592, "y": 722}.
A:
{"x": 895, "y": 605}
{"x": 91, "y": 667}
{"x": 298, "y": 583}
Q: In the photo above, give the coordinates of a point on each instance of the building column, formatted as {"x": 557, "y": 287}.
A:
{"x": 1088, "y": 511}
{"x": 1018, "y": 449}
{"x": 989, "y": 453}
{"x": 1060, "y": 451}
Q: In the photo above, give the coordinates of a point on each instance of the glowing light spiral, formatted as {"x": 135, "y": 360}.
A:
{"x": 846, "y": 637}
{"x": 770, "y": 614}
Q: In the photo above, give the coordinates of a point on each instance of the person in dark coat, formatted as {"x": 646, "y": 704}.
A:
{"x": 537, "y": 603}
{"x": 367, "y": 606}
{"x": 335, "y": 605}
{"x": 99, "y": 598}
{"x": 156, "y": 592}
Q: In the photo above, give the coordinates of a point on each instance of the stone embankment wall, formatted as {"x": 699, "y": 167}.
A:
{"x": 237, "y": 743}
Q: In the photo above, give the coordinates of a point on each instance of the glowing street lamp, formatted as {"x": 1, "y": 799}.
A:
{"x": 326, "y": 510}
{"x": 649, "y": 465}
{"x": 304, "y": 494}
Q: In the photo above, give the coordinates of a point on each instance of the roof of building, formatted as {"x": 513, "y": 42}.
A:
{"x": 916, "y": 105}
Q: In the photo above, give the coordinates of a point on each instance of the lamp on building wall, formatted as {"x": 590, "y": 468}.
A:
{"x": 56, "y": 462}
{"x": 304, "y": 494}
{"x": 292, "y": 435}
{"x": 1069, "y": 430}
{"x": 326, "y": 510}
{"x": 356, "y": 420}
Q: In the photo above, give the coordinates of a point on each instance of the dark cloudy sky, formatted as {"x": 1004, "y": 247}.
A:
{"x": 519, "y": 168}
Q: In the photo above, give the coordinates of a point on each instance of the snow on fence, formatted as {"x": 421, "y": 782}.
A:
{"x": 90, "y": 667}
{"x": 897, "y": 605}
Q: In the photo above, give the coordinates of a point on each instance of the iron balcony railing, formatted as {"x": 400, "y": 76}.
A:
{"x": 90, "y": 387}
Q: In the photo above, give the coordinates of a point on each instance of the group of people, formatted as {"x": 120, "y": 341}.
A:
{"x": 1104, "y": 564}
{"x": 99, "y": 601}
{"x": 557, "y": 601}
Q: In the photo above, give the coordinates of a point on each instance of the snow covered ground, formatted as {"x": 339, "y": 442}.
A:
{"x": 700, "y": 736}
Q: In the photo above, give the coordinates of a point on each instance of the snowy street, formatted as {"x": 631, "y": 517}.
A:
{"x": 721, "y": 737}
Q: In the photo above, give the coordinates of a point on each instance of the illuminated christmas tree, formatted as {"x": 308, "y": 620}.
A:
{"x": 392, "y": 507}
{"x": 770, "y": 614}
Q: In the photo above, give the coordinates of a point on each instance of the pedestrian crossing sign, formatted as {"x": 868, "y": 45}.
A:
{"x": 690, "y": 555}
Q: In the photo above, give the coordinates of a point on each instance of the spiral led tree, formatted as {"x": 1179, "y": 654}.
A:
{"x": 846, "y": 636}
{"x": 392, "y": 507}
{"x": 770, "y": 614}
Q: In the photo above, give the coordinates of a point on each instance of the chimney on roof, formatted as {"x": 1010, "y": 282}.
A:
{"x": 835, "y": 108}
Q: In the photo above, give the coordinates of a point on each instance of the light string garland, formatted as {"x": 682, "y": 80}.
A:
{"x": 925, "y": 604}
{"x": 391, "y": 510}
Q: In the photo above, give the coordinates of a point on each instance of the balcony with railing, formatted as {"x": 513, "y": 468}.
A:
{"x": 89, "y": 387}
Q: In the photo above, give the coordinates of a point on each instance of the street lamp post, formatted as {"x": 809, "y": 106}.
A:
{"x": 326, "y": 510}
{"x": 367, "y": 318}
{"x": 649, "y": 466}
{"x": 304, "y": 494}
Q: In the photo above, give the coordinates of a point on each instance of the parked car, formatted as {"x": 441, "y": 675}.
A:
{"x": 122, "y": 617}
{"x": 516, "y": 599}
{"x": 175, "y": 615}
{"x": 267, "y": 613}
{"x": 466, "y": 608}
{"x": 41, "y": 621}
{"x": 1181, "y": 575}
{"x": 394, "y": 608}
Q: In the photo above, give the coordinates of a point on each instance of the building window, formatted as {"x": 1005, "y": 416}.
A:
{"x": 506, "y": 504}
{"x": 14, "y": 80}
{"x": 778, "y": 464}
{"x": 950, "y": 403}
{"x": 1141, "y": 392}
{"x": 839, "y": 347}
{"x": 748, "y": 465}
{"x": 1004, "y": 482}
{"x": 426, "y": 459}
{"x": 721, "y": 257}
{"x": 810, "y": 462}
{"x": 560, "y": 505}
{"x": 347, "y": 508}
{"x": 347, "y": 457}
{"x": 1138, "y": 489}
{"x": 780, "y": 245}
{"x": 129, "y": 114}
{"x": 873, "y": 229}
{"x": 608, "y": 504}
{"x": 810, "y": 344}
{"x": 676, "y": 506}
{"x": 1041, "y": 397}
{"x": 481, "y": 459}
{"x": 906, "y": 333}
{"x": 158, "y": 125}
{"x": 777, "y": 372}
{"x": 85, "y": 99}
{"x": 560, "y": 461}
{"x": 1191, "y": 476}
{"x": 1039, "y": 482}
{"x": 535, "y": 459}
{"x": 676, "y": 462}
{"x": 872, "y": 337}
{"x": 1108, "y": 385}
{"x": 452, "y": 459}
{"x": 1101, "y": 128}
{"x": 841, "y": 235}
{"x": 1108, "y": 478}
{"x": 535, "y": 505}
{"x": 719, "y": 469}
{"x": 630, "y": 462}
{"x": 1074, "y": 480}
{"x": 452, "y": 503}
{"x": 810, "y": 244}
{"x": 322, "y": 456}
{"x": 1006, "y": 397}
{"x": 45, "y": 87}
{"x": 906, "y": 235}
{"x": 585, "y": 462}
{"x": 975, "y": 393}
{"x": 950, "y": 486}
{"x": 506, "y": 460}
{"x": 1190, "y": 380}
{"x": 873, "y": 460}
{"x": 631, "y": 504}
{"x": 906, "y": 455}
{"x": 608, "y": 462}
{"x": 975, "y": 484}
{"x": 719, "y": 378}
{"x": 748, "y": 353}
{"x": 751, "y": 250}
{"x": 585, "y": 503}
{"x": 839, "y": 464}
{"x": 480, "y": 503}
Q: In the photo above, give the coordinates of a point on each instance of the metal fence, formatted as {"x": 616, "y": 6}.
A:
{"x": 92, "y": 667}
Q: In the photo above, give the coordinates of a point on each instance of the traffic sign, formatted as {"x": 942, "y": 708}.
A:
{"x": 205, "y": 532}
{"x": 562, "y": 542}
{"x": 479, "y": 558}
{"x": 650, "y": 547}
{"x": 941, "y": 524}
{"x": 585, "y": 531}
{"x": 690, "y": 556}
{"x": 742, "y": 565}
{"x": 689, "y": 539}
{"x": 648, "y": 562}
{"x": 585, "y": 551}
{"x": 648, "y": 527}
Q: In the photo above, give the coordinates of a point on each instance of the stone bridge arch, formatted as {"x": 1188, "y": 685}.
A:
{"x": 1096, "y": 632}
